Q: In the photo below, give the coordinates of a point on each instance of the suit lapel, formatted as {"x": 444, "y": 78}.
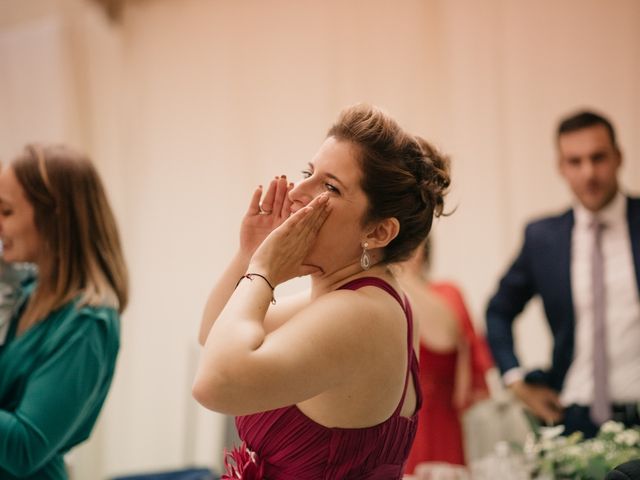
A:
{"x": 633, "y": 217}
{"x": 564, "y": 261}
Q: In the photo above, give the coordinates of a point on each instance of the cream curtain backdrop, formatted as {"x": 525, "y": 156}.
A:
{"x": 187, "y": 105}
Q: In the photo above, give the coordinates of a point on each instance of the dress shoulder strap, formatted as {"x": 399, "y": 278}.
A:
{"x": 412, "y": 363}
{"x": 374, "y": 282}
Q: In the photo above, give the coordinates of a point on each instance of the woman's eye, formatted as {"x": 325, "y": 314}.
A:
{"x": 331, "y": 188}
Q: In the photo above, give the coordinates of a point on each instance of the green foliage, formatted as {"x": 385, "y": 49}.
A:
{"x": 573, "y": 458}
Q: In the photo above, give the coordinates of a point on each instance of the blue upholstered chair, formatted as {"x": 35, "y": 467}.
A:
{"x": 186, "y": 474}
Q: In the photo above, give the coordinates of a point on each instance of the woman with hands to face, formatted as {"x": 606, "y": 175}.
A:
{"x": 323, "y": 384}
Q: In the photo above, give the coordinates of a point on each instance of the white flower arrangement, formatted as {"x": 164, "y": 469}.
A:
{"x": 558, "y": 457}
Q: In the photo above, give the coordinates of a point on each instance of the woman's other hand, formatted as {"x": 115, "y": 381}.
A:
{"x": 280, "y": 257}
{"x": 265, "y": 214}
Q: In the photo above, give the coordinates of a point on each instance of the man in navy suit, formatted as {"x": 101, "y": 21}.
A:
{"x": 589, "y": 284}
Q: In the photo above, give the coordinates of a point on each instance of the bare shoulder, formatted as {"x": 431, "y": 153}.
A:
{"x": 436, "y": 320}
{"x": 364, "y": 336}
{"x": 354, "y": 315}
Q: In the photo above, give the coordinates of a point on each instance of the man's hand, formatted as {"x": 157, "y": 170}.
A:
{"x": 542, "y": 401}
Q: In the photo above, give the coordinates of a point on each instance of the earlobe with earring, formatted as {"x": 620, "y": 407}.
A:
{"x": 365, "y": 260}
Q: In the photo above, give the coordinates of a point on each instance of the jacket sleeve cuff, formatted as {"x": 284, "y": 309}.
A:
{"x": 512, "y": 376}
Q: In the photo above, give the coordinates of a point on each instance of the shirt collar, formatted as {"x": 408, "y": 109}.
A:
{"x": 612, "y": 214}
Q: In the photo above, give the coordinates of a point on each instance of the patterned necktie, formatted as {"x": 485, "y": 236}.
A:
{"x": 601, "y": 406}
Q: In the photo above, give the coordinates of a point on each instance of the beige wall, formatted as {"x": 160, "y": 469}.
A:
{"x": 186, "y": 105}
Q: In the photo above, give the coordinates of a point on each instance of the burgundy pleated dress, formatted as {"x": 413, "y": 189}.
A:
{"x": 288, "y": 445}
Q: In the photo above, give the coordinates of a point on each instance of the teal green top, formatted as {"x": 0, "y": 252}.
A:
{"x": 53, "y": 381}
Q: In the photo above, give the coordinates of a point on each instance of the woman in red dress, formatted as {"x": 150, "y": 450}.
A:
{"x": 324, "y": 384}
{"x": 453, "y": 363}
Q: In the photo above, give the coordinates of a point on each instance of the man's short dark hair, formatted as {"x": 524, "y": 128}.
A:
{"x": 585, "y": 119}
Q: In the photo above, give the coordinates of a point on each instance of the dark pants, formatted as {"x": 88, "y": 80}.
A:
{"x": 576, "y": 418}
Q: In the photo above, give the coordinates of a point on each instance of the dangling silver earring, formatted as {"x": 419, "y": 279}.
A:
{"x": 365, "y": 260}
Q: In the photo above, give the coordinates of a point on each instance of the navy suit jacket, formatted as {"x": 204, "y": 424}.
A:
{"x": 543, "y": 268}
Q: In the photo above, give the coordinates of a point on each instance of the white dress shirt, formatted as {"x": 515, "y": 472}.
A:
{"x": 622, "y": 307}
